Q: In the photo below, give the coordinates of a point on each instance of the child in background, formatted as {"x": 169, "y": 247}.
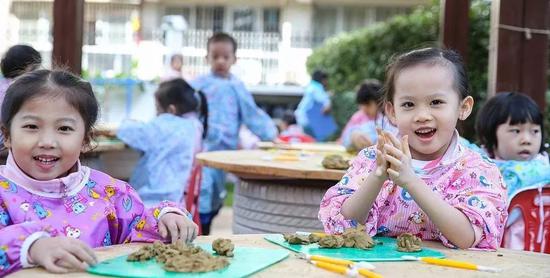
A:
{"x": 175, "y": 71}
{"x": 368, "y": 98}
{"x": 510, "y": 129}
{"x": 169, "y": 142}
{"x": 230, "y": 105}
{"x": 314, "y": 93}
{"x": 290, "y": 131}
{"x": 426, "y": 183}
{"x": 360, "y": 131}
{"x": 16, "y": 61}
{"x": 54, "y": 210}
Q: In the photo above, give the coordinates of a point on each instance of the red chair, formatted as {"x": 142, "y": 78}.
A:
{"x": 296, "y": 138}
{"x": 528, "y": 202}
{"x": 192, "y": 194}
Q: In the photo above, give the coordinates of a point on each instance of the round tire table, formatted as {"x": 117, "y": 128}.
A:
{"x": 278, "y": 193}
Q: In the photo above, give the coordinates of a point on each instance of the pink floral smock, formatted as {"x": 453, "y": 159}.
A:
{"x": 462, "y": 178}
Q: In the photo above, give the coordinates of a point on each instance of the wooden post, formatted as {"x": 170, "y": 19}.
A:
{"x": 518, "y": 57}
{"x": 68, "y": 18}
{"x": 454, "y": 26}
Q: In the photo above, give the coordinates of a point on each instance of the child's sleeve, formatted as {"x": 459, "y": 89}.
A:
{"x": 137, "y": 223}
{"x": 253, "y": 117}
{"x": 368, "y": 129}
{"x": 321, "y": 96}
{"x": 330, "y": 212}
{"x": 15, "y": 241}
{"x": 479, "y": 192}
{"x": 135, "y": 134}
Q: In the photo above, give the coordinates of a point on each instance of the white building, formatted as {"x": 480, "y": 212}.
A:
{"x": 274, "y": 36}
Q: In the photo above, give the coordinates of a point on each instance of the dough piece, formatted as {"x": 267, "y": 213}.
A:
{"x": 358, "y": 238}
{"x": 332, "y": 241}
{"x": 144, "y": 254}
{"x": 179, "y": 257}
{"x": 223, "y": 247}
{"x": 313, "y": 238}
{"x": 200, "y": 262}
{"x": 407, "y": 242}
{"x": 296, "y": 239}
{"x": 335, "y": 161}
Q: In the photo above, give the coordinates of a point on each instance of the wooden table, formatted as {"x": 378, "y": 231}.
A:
{"x": 315, "y": 147}
{"x": 512, "y": 263}
{"x": 106, "y": 145}
{"x": 274, "y": 196}
{"x": 111, "y": 156}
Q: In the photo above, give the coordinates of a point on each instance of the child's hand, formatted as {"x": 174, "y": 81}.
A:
{"x": 360, "y": 140}
{"x": 61, "y": 254}
{"x": 176, "y": 226}
{"x": 398, "y": 156}
{"x": 381, "y": 163}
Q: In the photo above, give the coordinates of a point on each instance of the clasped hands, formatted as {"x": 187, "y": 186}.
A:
{"x": 393, "y": 159}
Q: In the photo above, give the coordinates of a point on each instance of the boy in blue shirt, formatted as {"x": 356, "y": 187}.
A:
{"x": 230, "y": 105}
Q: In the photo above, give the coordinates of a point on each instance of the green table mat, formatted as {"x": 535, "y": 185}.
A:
{"x": 387, "y": 251}
{"x": 246, "y": 261}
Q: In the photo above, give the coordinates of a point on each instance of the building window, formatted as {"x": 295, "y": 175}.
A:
{"x": 271, "y": 20}
{"x": 244, "y": 19}
{"x": 324, "y": 23}
{"x": 210, "y": 18}
{"x": 354, "y": 18}
{"x": 183, "y": 11}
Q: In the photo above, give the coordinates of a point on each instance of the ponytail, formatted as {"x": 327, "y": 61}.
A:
{"x": 179, "y": 93}
{"x": 202, "y": 109}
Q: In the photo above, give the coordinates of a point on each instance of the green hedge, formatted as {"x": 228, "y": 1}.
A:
{"x": 352, "y": 57}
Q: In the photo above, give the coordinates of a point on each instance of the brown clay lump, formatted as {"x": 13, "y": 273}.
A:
{"x": 407, "y": 242}
{"x": 223, "y": 247}
{"x": 358, "y": 238}
{"x": 296, "y": 239}
{"x": 179, "y": 257}
{"x": 331, "y": 241}
{"x": 313, "y": 238}
{"x": 144, "y": 254}
{"x": 335, "y": 161}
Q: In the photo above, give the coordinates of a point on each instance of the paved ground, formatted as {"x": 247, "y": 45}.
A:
{"x": 222, "y": 223}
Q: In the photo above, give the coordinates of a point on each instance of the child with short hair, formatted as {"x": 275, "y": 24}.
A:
{"x": 230, "y": 105}
{"x": 290, "y": 131}
{"x": 424, "y": 183}
{"x": 54, "y": 210}
{"x": 315, "y": 93}
{"x": 360, "y": 131}
{"x": 16, "y": 61}
{"x": 169, "y": 142}
{"x": 511, "y": 130}
{"x": 176, "y": 68}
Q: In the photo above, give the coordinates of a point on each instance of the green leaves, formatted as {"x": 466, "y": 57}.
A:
{"x": 350, "y": 58}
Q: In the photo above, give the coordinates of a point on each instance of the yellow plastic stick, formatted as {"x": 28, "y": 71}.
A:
{"x": 367, "y": 273}
{"x": 451, "y": 263}
{"x": 457, "y": 264}
{"x": 286, "y": 158}
{"x": 331, "y": 260}
{"x": 319, "y": 234}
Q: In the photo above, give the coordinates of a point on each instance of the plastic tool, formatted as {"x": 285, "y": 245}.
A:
{"x": 350, "y": 272}
{"x": 451, "y": 263}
